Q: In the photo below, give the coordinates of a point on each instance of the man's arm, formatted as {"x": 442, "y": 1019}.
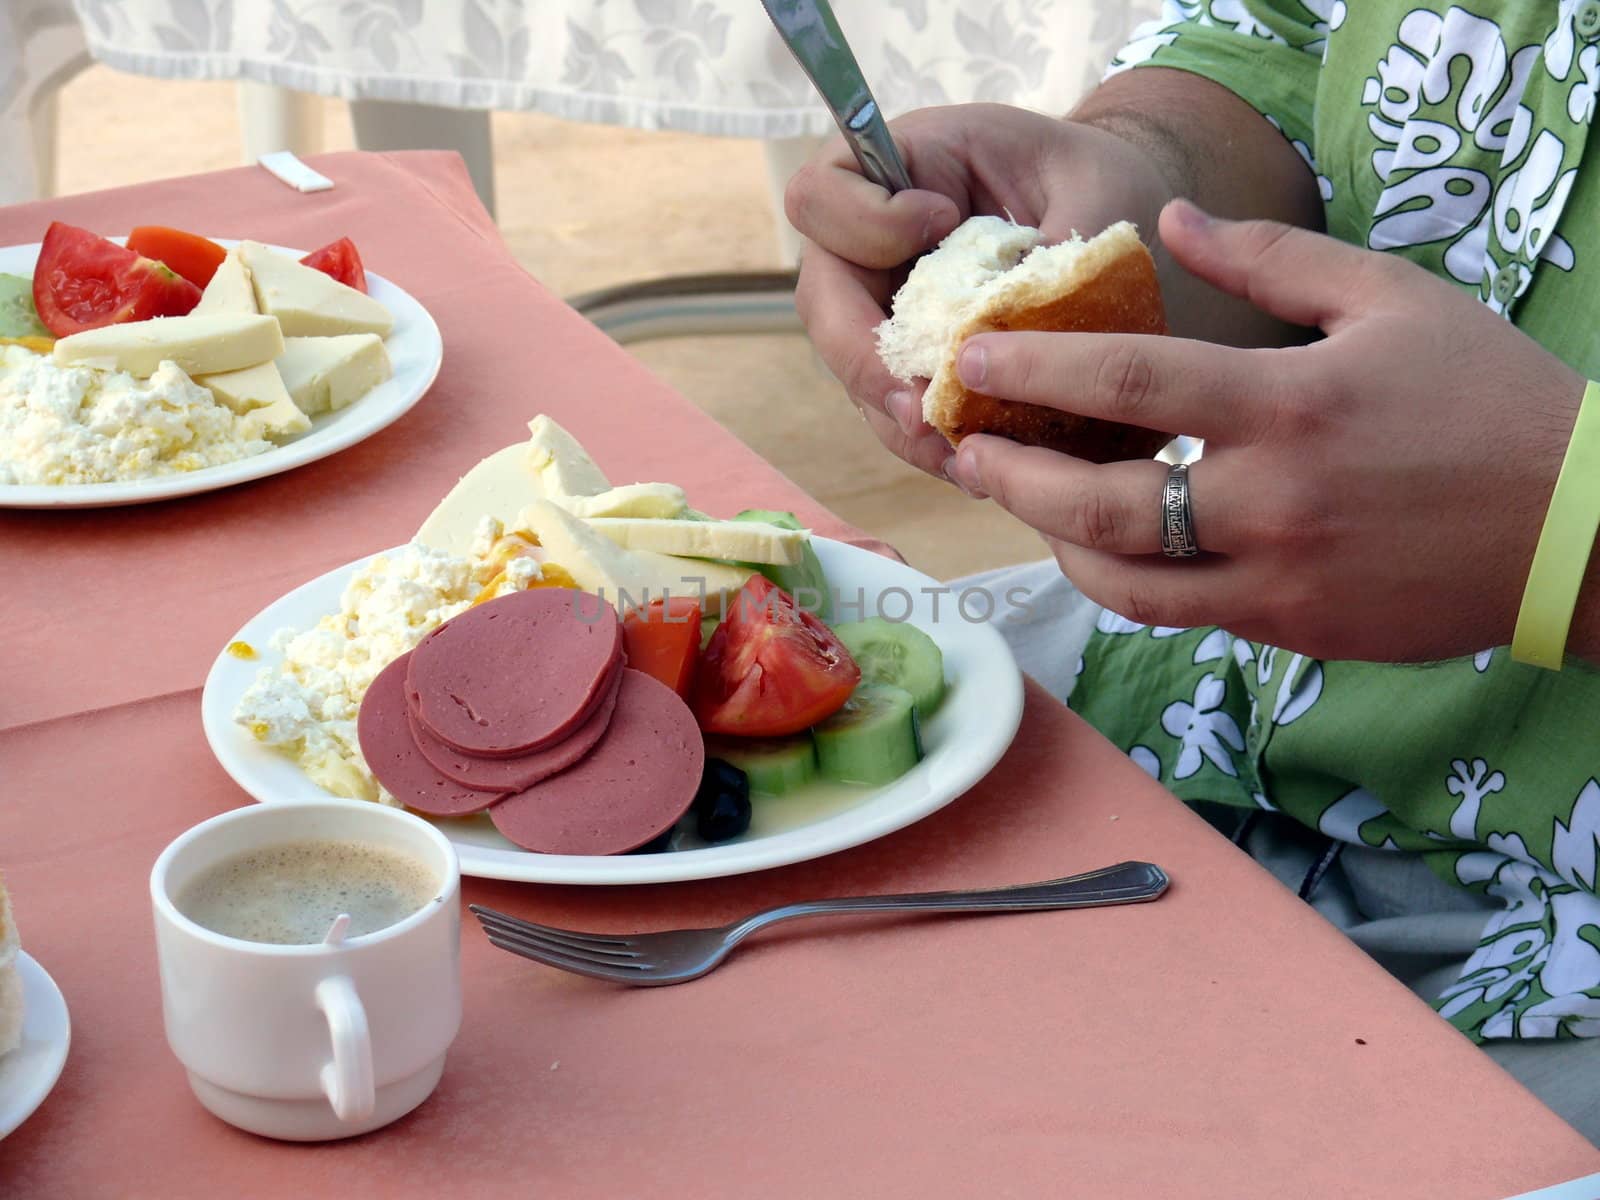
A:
{"x": 1209, "y": 146}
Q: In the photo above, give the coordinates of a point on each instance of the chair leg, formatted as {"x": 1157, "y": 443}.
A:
{"x": 784, "y": 157}
{"x": 274, "y": 118}
{"x": 392, "y": 125}
{"x": 45, "y": 127}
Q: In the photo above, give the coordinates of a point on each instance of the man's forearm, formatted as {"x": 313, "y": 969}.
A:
{"x": 1213, "y": 148}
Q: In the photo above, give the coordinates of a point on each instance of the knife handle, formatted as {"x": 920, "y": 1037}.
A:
{"x": 868, "y": 135}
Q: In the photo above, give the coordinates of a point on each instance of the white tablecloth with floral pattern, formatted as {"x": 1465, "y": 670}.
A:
{"x": 700, "y": 66}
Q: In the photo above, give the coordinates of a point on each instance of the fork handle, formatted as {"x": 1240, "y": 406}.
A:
{"x": 1124, "y": 883}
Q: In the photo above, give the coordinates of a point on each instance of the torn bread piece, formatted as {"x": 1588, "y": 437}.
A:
{"x": 991, "y": 275}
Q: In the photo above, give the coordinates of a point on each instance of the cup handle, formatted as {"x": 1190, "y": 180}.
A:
{"x": 347, "y": 1078}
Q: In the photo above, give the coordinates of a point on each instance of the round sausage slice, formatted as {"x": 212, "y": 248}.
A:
{"x": 384, "y": 731}
{"x": 632, "y": 787}
{"x": 516, "y": 674}
{"x": 514, "y": 774}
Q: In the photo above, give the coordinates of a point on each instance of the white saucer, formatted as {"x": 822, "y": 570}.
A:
{"x": 29, "y": 1072}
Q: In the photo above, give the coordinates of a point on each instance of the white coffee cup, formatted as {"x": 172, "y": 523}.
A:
{"x": 310, "y": 1042}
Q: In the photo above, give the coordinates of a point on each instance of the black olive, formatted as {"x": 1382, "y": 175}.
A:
{"x": 656, "y": 845}
{"x": 722, "y": 804}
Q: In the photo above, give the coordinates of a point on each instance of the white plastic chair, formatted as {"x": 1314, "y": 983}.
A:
{"x": 41, "y": 47}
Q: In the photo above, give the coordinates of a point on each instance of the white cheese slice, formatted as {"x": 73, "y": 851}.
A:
{"x": 564, "y": 467}
{"x": 324, "y": 374}
{"x": 229, "y": 291}
{"x": 654, "y": 500}
{"x": 203, "y": 345}
{"x": 500, "y": 486}
{"x": 306, "y": 302}
{"x": 746, "y": 541}
{"x": 257, "y": 394}
{"x": 627, "y": 578}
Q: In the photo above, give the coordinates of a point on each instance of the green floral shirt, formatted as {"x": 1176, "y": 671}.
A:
{"x": 1452, "y": 134}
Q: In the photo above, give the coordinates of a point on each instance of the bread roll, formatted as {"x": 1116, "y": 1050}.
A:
{"x": 992, "y": 274}
{"x": 10, "y": 980}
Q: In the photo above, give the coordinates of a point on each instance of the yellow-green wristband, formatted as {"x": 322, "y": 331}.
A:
{"x": 1562, "y": 556}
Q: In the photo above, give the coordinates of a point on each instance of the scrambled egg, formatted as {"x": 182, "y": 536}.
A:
{"x": 307, "y": 707}
{"x": 62, "y": 425}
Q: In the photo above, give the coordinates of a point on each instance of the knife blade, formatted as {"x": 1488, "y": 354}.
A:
{"x": 810, "y": 30}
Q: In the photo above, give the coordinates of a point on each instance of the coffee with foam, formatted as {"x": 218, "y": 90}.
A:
{"x": 292, "y": 892}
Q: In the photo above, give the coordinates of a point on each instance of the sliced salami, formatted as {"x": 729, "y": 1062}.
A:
{"x": 514, "y": 774}
{"x": 634, "y": 785}
{"x": 514, "y": 675}
{"x": 384, "y": 731}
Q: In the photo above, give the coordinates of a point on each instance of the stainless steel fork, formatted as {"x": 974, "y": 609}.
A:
{"x": 679, "y": 955}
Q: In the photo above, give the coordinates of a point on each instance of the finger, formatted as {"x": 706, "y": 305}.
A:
{"x": 1115, "y": 507}
{"x": 836, "y": 207}
{"x": 1168, "y": 384}
{"x": 842, "y": 305}
{"x": 924, "y": 448}
{"x": 1176, "y": 592}
{"x": 1302, "y": 277}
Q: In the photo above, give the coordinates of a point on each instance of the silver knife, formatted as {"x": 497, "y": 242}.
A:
{"x": 811, "y": 32}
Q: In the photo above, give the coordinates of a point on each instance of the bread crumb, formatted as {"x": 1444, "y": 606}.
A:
{"x": 555, "y": 1064}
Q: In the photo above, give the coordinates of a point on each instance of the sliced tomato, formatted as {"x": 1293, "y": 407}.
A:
{"x": 342, "y": 261}
{"x": 190, "y": 255}
{"x": 770, "y": 668}
{"x": 663, "y": 641}
{"x": 82, "y": 281}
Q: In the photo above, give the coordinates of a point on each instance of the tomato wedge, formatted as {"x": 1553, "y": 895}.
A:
{"x": 342, "y": 261}
{"x": 190, "y": 255}
{"x": 663, "y": 641}
{"x": 82, "y": 281}
{"x": 770, "y": 668}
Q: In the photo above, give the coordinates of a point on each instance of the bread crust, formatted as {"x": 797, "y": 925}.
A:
{"x": 1123, "y": 297}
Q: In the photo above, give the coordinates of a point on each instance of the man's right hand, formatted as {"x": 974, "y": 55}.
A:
{"x": 976, "y": 159}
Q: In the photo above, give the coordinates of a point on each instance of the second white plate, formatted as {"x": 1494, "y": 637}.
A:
{"x": 415, "y": 352}
{"x": 965, "y": 738}
{"x": 29, "y": 1072}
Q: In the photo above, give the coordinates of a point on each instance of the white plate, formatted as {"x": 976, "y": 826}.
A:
{"x": 29, "y": 1072}
{"x": 964, "y": 738}
{"x": 415, "y": 351}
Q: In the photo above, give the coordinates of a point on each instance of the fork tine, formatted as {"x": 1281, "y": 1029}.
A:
{"x": 575, "y": 937}
{"x": 579, "y": 966}
{"x": 609, "y": 955}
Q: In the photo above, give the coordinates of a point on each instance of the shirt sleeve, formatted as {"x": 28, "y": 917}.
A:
{"x": 1266, "y": 52}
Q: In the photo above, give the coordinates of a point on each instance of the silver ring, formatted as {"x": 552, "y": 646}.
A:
{"x": 1177, "y": 519}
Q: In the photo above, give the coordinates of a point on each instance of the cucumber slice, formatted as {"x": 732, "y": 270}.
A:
{"x": 804, "y": 580}
{"x": 774, "y": 766}
{"x": 18, "y": 318}
{"x": 898, "y": 654}
{"x": 873, "y": 739}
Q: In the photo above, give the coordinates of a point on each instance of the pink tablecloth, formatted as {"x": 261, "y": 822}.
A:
{"x": 1224, "y": 1042}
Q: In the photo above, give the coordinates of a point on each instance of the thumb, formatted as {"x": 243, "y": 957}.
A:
{"x": 1295, "y": 275}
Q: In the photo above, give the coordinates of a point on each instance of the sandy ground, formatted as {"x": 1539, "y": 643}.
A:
{"x": 690, "y": 204}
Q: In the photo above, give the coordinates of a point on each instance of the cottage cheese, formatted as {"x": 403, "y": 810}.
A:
{"x": 307, "y": 706}
{"x": 61, "y": 425}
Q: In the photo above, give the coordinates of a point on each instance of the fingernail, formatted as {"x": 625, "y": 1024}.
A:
{"x": 973, "y": 365}
{"x": 903, "y": 408}
{"x": 1190, "y": 215}
{"x": 962, "y": 470}
{"x": 937, "y": 227}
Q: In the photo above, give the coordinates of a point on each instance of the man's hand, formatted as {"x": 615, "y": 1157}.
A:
{"x": 1374, "y": 495}
{"x": 975, "y": 159}
{"x": 1060, "y": 176}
